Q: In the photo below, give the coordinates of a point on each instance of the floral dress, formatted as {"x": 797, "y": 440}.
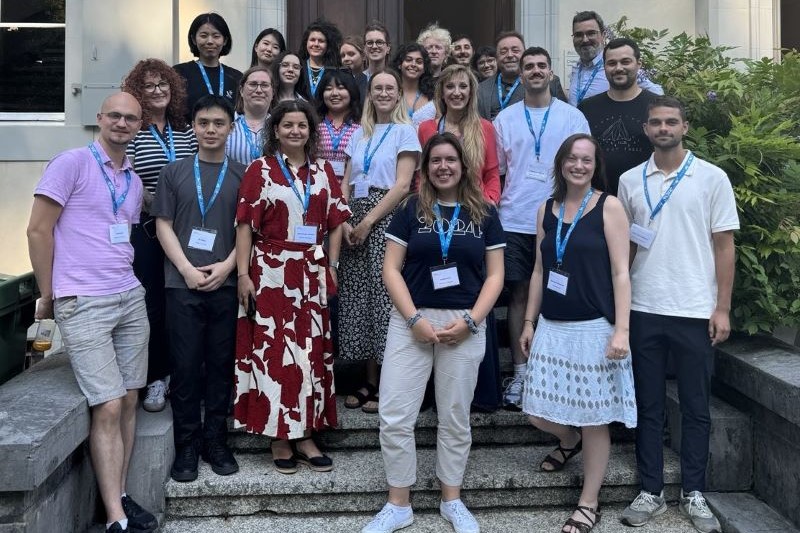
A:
{"x": 284, "y": 355}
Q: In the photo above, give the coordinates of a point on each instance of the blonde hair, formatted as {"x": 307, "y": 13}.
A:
{"x": 370, "y": 115}
{"x": 470, "y": 195}
{"x": 434, "y": 31}
{"x": 470, "y": 123}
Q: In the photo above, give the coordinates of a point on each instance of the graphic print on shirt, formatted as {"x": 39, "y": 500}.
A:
{"x": 462, "y": 228}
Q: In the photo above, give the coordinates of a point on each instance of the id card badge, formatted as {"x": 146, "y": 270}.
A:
{"x": 338, "y": 168}
{"x": 119, "y": 233}
{"x": 202, "y": 239}
{"x": 538, "y": 171}
{"x": 305, "y": 234}
{"x": 557, "y": 281}
{"x": 361, "y": 189}
{"x": 445, "y": 276}
{"x": 642, "y": 236}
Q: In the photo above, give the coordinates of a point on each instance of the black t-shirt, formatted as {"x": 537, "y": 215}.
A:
{"x": 196, "y": 85}
{"x": 618, "y": 127}
{"x": 423, "y": 251}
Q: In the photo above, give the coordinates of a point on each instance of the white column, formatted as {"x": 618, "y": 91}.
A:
{"x": 749, "y": 25}
{"x": 265, "y": 14}
{"x": 537, "y": 20}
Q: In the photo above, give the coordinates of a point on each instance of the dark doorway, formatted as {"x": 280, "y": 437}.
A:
{"x": 790, "y": 14}
{"x": 479, "y": 19}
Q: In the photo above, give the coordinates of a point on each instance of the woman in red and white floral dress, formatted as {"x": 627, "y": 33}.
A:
{"x": 288, "y": 202}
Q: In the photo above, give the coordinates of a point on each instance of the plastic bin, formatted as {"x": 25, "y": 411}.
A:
{"x": 18, "y": 296}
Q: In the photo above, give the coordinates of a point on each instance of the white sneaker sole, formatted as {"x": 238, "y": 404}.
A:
{"x": 456, "y": 529}
{"x": 402, "y": 525}
{"x": 661, "y": 510}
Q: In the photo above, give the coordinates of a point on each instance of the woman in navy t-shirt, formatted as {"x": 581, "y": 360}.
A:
{"x": 444, "y": 270}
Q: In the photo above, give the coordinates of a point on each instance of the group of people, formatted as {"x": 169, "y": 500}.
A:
{"x": 251, "y": 211}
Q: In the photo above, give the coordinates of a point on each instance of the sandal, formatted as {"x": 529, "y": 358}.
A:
{"x": 362, "y": 398}
{"x": 370, "y": 409}
{"x": 566, "y": 454}
{"x": 285, "y": 466}
{"x": 583, "y": 527}
{"x": 318, "y": 463}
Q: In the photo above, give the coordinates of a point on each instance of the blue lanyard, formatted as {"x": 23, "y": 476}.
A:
{"x": 669, "y": 191}
{"x": 115, "y": 204}
{"x": 336, "y": 140}
{"x": 582, "y": 92}
{"x": 561, "y": 245}
{"x": 504, "y": 101}
{"x": 537, "y": 140}
{"x": 255, "y": 153}
{"x": 444, "y": 239}
{"x": 367, "y": 156}
{"x": 411, "y": 109}
{"x": 288, "y": 175}
{"x": 169, "y": 152}
{"x": 313, "y": 85}
{"x": 200, "y": 200}
{"x": 208, "y": 83}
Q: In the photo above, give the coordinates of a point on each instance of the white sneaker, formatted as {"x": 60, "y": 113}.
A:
{"x": 390, "y": 518}
{"x": 512, "y": 396}
{"x": 459, "y": 516}
{"x": 156, "y": 398}
{"x": 695, "y": 507}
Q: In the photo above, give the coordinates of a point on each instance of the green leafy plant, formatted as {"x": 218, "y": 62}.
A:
{"x": 745, "y": 118}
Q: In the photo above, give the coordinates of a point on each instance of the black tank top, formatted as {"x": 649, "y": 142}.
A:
{"x": 590, "y": 293}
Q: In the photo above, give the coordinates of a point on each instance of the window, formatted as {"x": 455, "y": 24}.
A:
{"x": 32, "y": 41}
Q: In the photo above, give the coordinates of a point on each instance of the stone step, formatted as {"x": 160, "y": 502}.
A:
{"x": 522, "y": 520}
{"x": 505, "y": 476}
{"x": 744, "y": 513}
{"x": 360, "y": 430}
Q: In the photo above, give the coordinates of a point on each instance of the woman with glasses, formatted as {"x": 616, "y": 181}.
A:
{"x": 340, "y": 111}
{"x": 377, "y": 45}
{"x": 320, "y": 49}
{"x": 246, "y": 141}
{"x": 382, "y": 156}
{"x": 209, "y": 39}
{"x": 289, "y": 202}
{"x": 286, "y": 73}
{"x": 484, "y": 62}
{"x": 164, "y": 137}
{"x": 414, "y": 66}
{"x": 268, "y": 44}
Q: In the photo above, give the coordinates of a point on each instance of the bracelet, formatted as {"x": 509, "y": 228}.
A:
{"x": 413, "y": 320}
{"x": 471, "y": 325}
{"x": 334, "y": 264}
{"x": 529, "y": 320}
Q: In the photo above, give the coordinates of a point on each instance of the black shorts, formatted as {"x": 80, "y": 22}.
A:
{"x": 520, "y": 256}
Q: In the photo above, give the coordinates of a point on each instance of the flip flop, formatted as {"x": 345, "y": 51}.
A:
{"x": 362, "y": 398}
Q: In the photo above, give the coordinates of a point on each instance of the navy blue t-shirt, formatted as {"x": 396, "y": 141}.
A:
{"x": 423, "y": 251}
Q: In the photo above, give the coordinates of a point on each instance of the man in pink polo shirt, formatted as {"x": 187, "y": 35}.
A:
{"x": 79, "y": 243}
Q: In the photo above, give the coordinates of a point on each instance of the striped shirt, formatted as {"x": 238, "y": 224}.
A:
{"x": 325, "y": 145}
{"x": 237, "y": 147}
{"x": 148, "y": 157}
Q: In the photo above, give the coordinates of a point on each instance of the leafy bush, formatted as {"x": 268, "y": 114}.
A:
{"x": 745, "y": 118}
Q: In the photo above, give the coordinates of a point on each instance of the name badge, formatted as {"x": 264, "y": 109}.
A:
{"x": 557, "y": 281}
{"x": 642, "y": 236}
{"x": 305, "y": 234}
{"x": 361, "y": 189}
{"x": 338, "y": 167}
{"x": 537, "y": 171}
{"x": 202, "y": 239}
{"x": 445, "y": 276}
{"x": 119, "y": 233}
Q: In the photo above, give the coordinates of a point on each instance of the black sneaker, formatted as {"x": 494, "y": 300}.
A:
{"x": 139, "y": 520}
{"x": 184, "y": 468}
{"x": 116, "y": 528}
{"x": 219, "y": 456}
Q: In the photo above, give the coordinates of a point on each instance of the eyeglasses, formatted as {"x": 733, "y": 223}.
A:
{"x": 379, "y": 44}
{"x": 378, "y": 89}
{"x": 114, "y": 117}
{"x": 591, "y": 34}
{"x": 290, "y": 66}
{"x": 254, "y": 85}
{"x": 151, "y": 87}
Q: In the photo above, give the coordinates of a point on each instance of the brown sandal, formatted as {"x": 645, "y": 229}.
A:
{"x": 583, "y": 527}
{"x": 566, "y": 454}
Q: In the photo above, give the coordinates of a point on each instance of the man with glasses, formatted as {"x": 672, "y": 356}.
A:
{"x": 80, "y": 249}
{"x": 504, "y": 89}
{"x": 588, "y": 77}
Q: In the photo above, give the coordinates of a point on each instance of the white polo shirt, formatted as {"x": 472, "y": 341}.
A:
{"x": 676, "y": 276}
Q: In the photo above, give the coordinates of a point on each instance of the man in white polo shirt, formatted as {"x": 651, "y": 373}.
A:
{"x": 683, "y": 215}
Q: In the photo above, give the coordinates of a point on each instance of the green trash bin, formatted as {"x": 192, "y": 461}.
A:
{"x": 18, "y": 296}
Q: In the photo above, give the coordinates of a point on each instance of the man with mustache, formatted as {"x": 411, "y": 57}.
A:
{"x": 529, "y": 134}
{"x": 462, "y": 50}
{"x": 616, "y": 116}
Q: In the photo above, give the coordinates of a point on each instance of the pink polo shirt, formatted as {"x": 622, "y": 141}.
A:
{"x": 85, "y": 262}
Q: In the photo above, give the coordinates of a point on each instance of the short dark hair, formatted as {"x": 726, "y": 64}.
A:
{"x": 509, "y": 33}
{"x": 461, "y": 37}
{"x": 269, "y": 31}
{"x": 667, "y": 101}
{"x": 583, "y": 16}
{"x": 216, "y": 20}
{"x": 377, "y": 25}
{"x": 333, "y": 41}
{"x": 427, "y": 83}
{"x": 213, "y": 100}
{"x": 619, "y": 42}
{"x": 344, "y": 78}
{"x": 536, "y": 51}
{"x": 271, "y": 145}
{"x": 483, "y": 51}
{"x": 598, "y": 178}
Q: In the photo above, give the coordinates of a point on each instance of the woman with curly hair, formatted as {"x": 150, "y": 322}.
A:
{"x": 414, "y": 66}
{"x": 165, "y": 137}
{"x": 321, "y": 42}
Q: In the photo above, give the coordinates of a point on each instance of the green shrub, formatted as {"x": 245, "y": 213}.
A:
{"x": 745, "y": 118}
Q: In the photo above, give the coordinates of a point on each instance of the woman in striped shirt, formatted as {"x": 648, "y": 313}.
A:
{"x": 246, "y": 141}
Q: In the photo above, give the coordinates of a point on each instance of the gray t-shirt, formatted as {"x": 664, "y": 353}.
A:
{"x": 176, "y": 199}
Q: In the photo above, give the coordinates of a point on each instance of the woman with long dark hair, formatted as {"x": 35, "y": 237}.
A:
{"x": 414, "y": 66}
{"x": 286, "y": 72}
{"x": 268, "y": 44}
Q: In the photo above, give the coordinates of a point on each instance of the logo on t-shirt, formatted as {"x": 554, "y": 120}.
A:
{"x": 462, "y": 228}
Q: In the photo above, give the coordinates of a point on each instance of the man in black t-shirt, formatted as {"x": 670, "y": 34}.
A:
{"x": 617, "y": 116}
